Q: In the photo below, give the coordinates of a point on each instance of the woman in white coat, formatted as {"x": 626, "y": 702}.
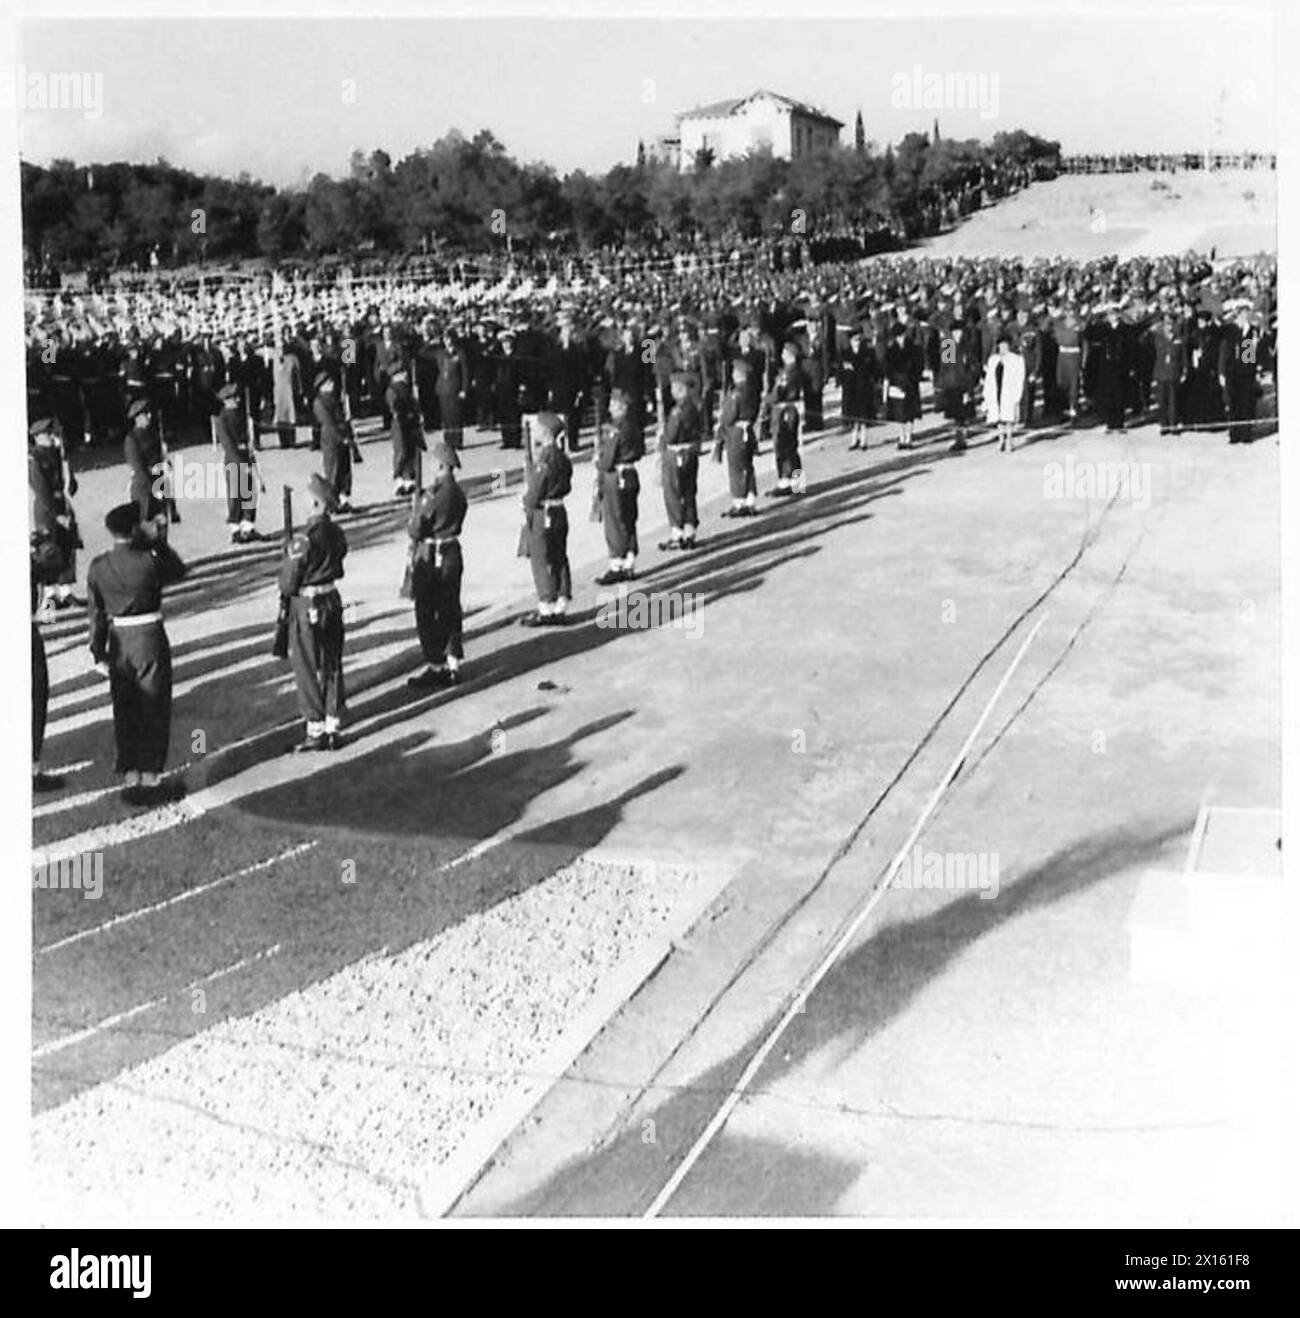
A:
{"x": 1004, "y": 383}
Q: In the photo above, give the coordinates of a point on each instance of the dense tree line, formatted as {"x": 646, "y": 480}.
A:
{"x": 469, "y": 195}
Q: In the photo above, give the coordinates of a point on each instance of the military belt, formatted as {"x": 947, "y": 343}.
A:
{"x": 136, "y": 619}
{"x": 315, "y": 592}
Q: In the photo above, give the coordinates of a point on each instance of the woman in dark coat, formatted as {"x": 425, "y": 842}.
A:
{"x": 904, "y": 363}
{"x": 859, "y": 381}
{"x": 453, "y": 389}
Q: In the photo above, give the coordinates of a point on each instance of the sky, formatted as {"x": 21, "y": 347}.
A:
{"x": 284, "y": 99}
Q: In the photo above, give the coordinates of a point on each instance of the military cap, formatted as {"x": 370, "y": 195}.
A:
{"x": 739, "y": 366}
{"x": 322, "y": 491}
{"x": 137, "y": 406}
{"x": 442, "y": 452}
{"x": 228, "y": 391}
{"x": 322, "y": 379}
{"x": 43, "y": 426}
{"x": 123, "y": 519}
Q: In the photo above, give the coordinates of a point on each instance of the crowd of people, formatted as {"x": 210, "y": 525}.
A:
{"x": 721, "y": 358}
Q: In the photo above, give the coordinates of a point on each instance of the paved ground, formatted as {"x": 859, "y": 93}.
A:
{"x": 550, "y": 915}
{"x": 1233, "y": 212}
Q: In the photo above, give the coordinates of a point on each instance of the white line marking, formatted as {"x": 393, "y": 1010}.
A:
{"x": 85, "y": 798}
{"x": 68, "y": 1040}
{"x": 810, "y": 983}
{"x": 110, "y": 1022}
{"x": 1198, "y": 838}
{"x": 179, "y": 897}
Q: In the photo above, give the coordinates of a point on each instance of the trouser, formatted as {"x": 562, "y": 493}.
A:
{"x": 619, "y": 491}
{"x": 786, "y": 448}
{"x": 405, "y": 445}
{"x": 740, "y": 446}
{"x": 1167, "y": 403}
{"x": 140, "y": 682}
{"x": 1067, "y": 380}
{"x": 241, "y": 491}
{"x": 451, "y": 421}
{"x": 40, "y": 692}
{"x": 681, "y": 473}
{"x": 1241, "y": 408}
{"x": 1027, "y": 402}
{"x": 435, "y": 586}
{"x": 548, "y": 554}
{"x": 316, "y": 655}
{"x": 512, "y": 431}
{"x": 813, "y": 409}
{"x": 337, "y": 458}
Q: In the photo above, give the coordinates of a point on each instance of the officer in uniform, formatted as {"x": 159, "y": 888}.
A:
{"x": 738, "y": 438}
{"x": 1239, "y": 355}
{"x": 309, "y": 583}
{"x": 546, "y": 524}
{"x": 1168, "y": 372}
{"x": 146, "y": 457}
{"x": 241, "y": 472}
{"x": 1114, "y": 367}
{"x": 50, "y": 486}
{"x": 619, "y": 447}
{"x": 128, "y": 643}
{"x": 407, "y": 433}
{"x": 335, "y": 439}
{"x": 437, "y": 567}
{"x": 679, "y": 453}
{"x": 511, "y": 381}
{"x": 1067, "y": 330}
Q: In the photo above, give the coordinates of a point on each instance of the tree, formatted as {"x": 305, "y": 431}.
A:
{"x": 859, "y": 134}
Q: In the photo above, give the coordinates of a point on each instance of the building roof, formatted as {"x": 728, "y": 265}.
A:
{"x": 722, "y": 109}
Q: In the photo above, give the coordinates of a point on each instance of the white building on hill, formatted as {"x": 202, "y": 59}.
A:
{"x": 790, "y": 129}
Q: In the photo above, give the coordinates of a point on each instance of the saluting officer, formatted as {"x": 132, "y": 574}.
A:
{"x": 128, "y": 643}
{"x": 619, "y": 447}
{"x": 547, "y": 524}
{"x": 309, "y": 581}
{"x": 241, "y": 473}
{"x": 679, "y": 451}
{"x": 437, "y": 567}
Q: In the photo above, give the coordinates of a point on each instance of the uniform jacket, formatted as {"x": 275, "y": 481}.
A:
{"x": 550, "y": 478}
{"x": 127, "y": 580}
{"x": 315, "y": 556}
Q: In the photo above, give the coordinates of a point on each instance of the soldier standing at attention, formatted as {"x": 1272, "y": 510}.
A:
{"x": 1168, "y": 372}
{"x": 679, "y": 449}
{"x": 241, "y": 476}
{"x": 128, "y": 643}
{"x": 50, "y": 486}
{"x": 335, "y": 440}
{"x": 407, "y": 434}
{"x": 144, "y": 456}
{"x": 618, "y": 448}
{"x": 738, "y": 438}
{"x": 547, "y": 524}
{"x": 782, "y": 404}
{"x": 44, "y": 564}
{"x": 309, "y": 581}
{"x": 1067, "y": 330}
{"x": 436, "y": 570}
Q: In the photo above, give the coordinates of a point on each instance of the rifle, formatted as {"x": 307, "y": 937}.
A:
{"x": 353, "y": 446}
{"x": 280, "y": 642}
{"x": 407, "y": 588}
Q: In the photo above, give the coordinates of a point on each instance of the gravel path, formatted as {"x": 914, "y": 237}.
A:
{"x": 342, "y": 1099}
